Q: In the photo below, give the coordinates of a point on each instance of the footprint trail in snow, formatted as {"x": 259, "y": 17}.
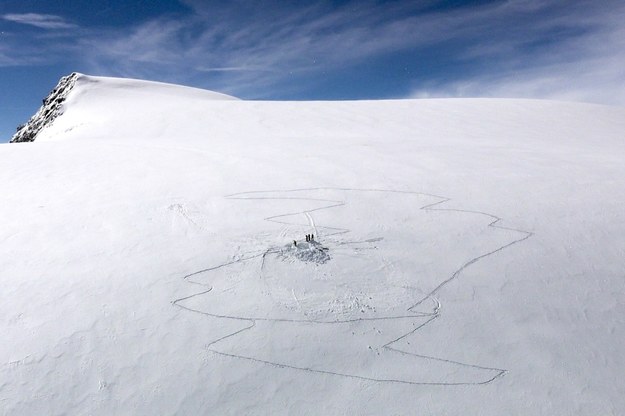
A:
{"x": 349, "y": 303}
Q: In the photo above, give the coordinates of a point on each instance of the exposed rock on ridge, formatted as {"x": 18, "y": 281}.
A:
{"x": 52, "y": 108}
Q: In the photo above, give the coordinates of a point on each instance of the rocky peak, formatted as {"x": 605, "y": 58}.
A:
{"x": 52, "y": 108}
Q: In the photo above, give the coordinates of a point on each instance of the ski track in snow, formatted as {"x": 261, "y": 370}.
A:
{"x": 432, "y": 316}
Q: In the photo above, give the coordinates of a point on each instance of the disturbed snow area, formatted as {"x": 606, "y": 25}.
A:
{"x": 468, "y": 256}
{"x": 311, "y": 251}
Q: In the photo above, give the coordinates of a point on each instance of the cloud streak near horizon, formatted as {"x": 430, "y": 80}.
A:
{"x": 43, "y": 21}
{"x": 532, "y": 49}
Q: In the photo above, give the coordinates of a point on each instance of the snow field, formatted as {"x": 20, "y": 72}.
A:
{"x": 112, "y": 219}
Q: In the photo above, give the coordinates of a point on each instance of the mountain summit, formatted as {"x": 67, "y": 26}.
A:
{"x": 52, "y": 107}
{"x": 80, "y": 85}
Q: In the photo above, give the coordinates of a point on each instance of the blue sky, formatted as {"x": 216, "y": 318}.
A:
{"x": 270, "y": 49}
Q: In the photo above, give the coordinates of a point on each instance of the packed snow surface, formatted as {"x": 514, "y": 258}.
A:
{"x": 467, "y": 256}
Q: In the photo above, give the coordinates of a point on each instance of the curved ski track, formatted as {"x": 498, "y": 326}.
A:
{"x": 335, "y": 231}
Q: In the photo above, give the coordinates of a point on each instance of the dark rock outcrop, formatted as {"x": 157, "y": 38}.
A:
{"x": 52, "y": 108}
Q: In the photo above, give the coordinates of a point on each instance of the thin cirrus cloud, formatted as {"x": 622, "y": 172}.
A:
{"x": 539, "y": 49}
{"x": 5, "y": 57}
{"x": 261, "y": 50}
{"x": 301, "y": 41}
{"x": 535, "y": 49}
{"x": 586, "y": 66}
{"x": 43, "y": 21}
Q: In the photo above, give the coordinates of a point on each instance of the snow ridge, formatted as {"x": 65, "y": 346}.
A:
{"x": 52, "y": 108}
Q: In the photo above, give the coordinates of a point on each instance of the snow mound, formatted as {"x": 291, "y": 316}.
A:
{"x": 307, "y": 251}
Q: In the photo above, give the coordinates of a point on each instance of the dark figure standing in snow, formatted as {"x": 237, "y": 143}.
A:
{"x": 312, "y": 237}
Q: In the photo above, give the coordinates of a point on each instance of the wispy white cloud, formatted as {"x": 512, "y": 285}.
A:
{"x": 43, "y": 21}
{"x": 14, "y": 51}
{"x": 5, "y": 58}
{"x": 586, "y": 66}
{"x": 600, "y": 81}
{"x": 24, "y": 47}
{"x": 263, "y": 48}
{"x": 530, "y": 48}
{"x": 525, "y": 48}
{"x": 232, "y": 69}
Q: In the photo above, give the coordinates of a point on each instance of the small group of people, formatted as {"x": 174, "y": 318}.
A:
{"x": 309, "y": 237}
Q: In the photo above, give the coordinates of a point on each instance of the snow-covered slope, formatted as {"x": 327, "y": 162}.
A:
{"x": 467, "y": 256}
{"x": 135, "y": 92}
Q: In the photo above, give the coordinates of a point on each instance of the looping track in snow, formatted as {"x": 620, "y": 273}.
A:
{"x": 410, "y": 314}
